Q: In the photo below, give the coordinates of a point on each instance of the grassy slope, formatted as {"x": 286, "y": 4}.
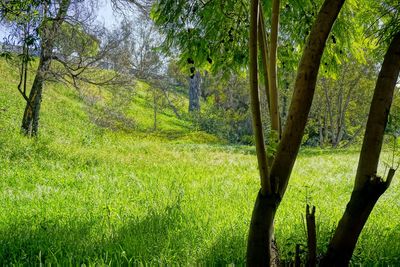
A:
{"x": 84, "y": 194}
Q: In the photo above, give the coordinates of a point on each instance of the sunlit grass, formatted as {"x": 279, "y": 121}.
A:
{"x": 85, "y": 194}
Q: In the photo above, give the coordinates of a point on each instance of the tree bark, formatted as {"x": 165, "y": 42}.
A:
{"x": 263, "y": 44}
{"x": 368, "y": 186}
{"x": 273, "y": 77}
{"x": 311, "y": 237}
{"x": 255, "y": 99}
{"x": 194, "y": 92}
{"x": 261, "y": 230}
{"x": 30, "y": 120}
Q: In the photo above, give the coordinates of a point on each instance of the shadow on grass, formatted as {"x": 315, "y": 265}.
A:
{"x": 228, "y": 249}
{"x": 32, "y": 241}
{"x": 160, "y": 238}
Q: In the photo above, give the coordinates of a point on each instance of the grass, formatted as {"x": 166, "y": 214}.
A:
{"x": 84, "y": 194}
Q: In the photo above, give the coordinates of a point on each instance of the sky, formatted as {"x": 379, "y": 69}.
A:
{"x": 106, "y": 16}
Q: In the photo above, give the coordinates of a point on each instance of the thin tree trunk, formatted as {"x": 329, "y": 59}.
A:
{"x": 263, "y": 43}
{"x": 154, "y": 111}
{"x": 368, "y": 186}
{"x": 321, "y": 131}
{"x": 255, "y": 100}
{"x": 329, "y": 110}
{"x": 273, "y": 77}
{"x": 339, "y": 105}
{"x": 326, "y": 130}
{"x": 261, "y": 227}
{"x": 174, "y": 109}
{"x": 342, "y": 125}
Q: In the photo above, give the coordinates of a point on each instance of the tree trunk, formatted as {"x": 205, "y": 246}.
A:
{"x": 368, "y": 186}
{"x": 273, "y": 77}
{"x": 263, "y": 44}
{"x": 194, "y": 92}
{"x": 311, "y": 237}
{"x": 174, "y": 109}
{"x": 255, "y": 99}
{"x": 154, "y": 110}
{"x": 260, "y": 234}
{"x": 321, "y": 131}
{"x": 30, "y": 120}
{"x": 329, "y": 112}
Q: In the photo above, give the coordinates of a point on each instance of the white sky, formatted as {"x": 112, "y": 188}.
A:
{"x": 3, "y": 33}
{"x": 106, "y": 16}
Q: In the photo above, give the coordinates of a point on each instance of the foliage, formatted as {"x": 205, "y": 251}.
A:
{"x": 339, "y": 110}
{"x": 225, "y": 111}
{"x": 84, "y": 45}
{"x": 208, "y": 35}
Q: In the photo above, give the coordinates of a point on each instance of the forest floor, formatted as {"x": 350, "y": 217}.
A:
{"x": 84, "y": 193}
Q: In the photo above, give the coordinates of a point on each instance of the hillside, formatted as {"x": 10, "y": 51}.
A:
{"x": 92, "y": 190}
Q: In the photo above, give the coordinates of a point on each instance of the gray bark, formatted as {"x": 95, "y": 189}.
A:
{"x": 194, "y": 92}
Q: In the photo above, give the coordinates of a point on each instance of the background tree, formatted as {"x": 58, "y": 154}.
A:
{"x": 45, "y": 19}
{"x": 48, "y": 27}
{"x": 338, "y": 115}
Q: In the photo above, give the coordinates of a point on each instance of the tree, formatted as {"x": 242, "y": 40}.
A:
{"x": 339, "y": 113}
{"x": 199, "y": 37}
{"x": 274, "y": 178}
{"x": 274, "y": 182}
{"x": 35, "y": 22}
{"x": 49, "y": 27}
{"x": 368, "y": 186}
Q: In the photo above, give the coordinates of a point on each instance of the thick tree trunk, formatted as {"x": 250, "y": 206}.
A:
{"x": 194, "y": 92}
{"x": 311, "y": 237}
{"x": 368, "y": 186}
{"x": 30, "y": 120}
{"x": 358, "y": 209}
{"x": 260, "y": 234}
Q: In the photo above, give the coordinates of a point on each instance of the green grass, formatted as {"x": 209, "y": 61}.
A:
{"x": 84, "y": 194}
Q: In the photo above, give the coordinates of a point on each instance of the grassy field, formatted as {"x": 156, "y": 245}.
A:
{"x": 84, "y": 194}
